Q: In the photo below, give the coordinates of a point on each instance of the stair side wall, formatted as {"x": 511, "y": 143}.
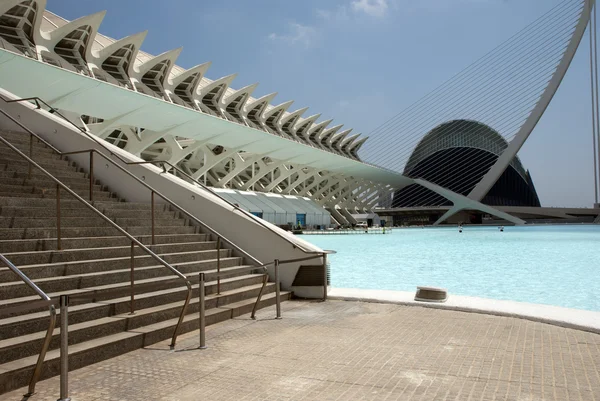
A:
{"x": 261, "y": 243}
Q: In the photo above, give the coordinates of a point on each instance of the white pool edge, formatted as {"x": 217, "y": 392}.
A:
{"x": 565, "y": 317}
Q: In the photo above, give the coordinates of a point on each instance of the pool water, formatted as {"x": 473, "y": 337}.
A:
{"x": 555, "y": 265}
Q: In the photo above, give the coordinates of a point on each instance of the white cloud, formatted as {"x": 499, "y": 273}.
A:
{"x": 324, "y": 14}
{"x": 374, "y": 8}
{"x": 299, "y": 34}
{"x": 339, "y": 14}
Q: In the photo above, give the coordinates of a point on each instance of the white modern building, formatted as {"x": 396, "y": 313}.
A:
{"x": 211, "y": 130}
{"x": 151, "y": 195}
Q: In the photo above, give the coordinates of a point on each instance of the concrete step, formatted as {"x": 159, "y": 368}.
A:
{"x": 93, "y": 220}
{"x": 44, "y": 212}
{"x": 39, "y": 182}
{"x": 47, "y": 212}
{"x": 147, "y": 222}
{"x": 67, "y": 201}
{"x": 104, "y": 306}
{"x": 89, "y": 266}
{"x": 38, "y": 150}
{"x": 9, "y": 201}
{"x": 37, "y": 233}
{"x": 23, "y": 345}
{"x": 29, "y": 245}
{"x": 17, "y": 373}
{"x": 13, "y": 159}
{"x": 22, "y": 168}
{"x": 104, "y": 293}
{"x": 51, "y": 196}
{"x": 39, "y": 175}
{"x": 24, "y": 196}
{"x": 107, "y": 207}
{"x": 22, "y": 143}
{"x": 105, "y": 271}
{"x": 50, "y": 192}
{"x": 15, "y": 136}
{"x": 141, "y": 214}
{"x": 24, "y": 222}
{"x": 83, "y": 254}
{"x": 24, "y": 147}
{"x": 38, "y": 154}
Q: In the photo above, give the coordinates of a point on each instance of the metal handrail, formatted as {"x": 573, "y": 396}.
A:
{"x": 40, "y": 361}
{"x": 234, "y": 205}
{"x": 258, "y": 220}
{"x": 153, "y": 191}
{"x": 107, "y": 158}
{"x": 167, "y": 199}
{"x": 133, "y": 240}
{"x": 65, "y": 300}
{"x": 276, "y": 263}
{"x": 60, "y": 185}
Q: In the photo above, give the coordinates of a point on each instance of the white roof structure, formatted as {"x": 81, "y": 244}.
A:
{"x": 278, "y": 209}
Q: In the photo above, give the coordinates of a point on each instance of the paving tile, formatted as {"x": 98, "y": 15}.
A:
{"x": 352, "y": 351}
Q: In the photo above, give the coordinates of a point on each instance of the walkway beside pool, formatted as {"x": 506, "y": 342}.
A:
{"x": 565, "y": 317}
{"x": 343, "y": 350}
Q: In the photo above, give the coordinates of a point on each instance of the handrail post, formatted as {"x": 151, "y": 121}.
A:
{"x": 38, "y": 366}
{"x": 91, "y": 175}
{"x": 255, "y": 307}
{"x": 46, "y": 344}
{"x": 152, "y": 212}
{"x": 186, "y": 303}
{"x": 30, "y": 155}
{"x": 324, "y": 277}
{"x": 131, "y": 278}
{"x": 58, "y": 234}
{"x": 64, "y": 348}
{"x": 201, "y": 312}
{"x": 218, "y": 266}
{"x": 277, "y": 290}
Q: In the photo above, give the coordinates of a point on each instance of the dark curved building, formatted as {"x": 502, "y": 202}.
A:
{"x": 456, "y": 155}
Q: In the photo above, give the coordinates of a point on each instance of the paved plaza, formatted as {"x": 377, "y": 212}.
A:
{"x": 352, "y": 351}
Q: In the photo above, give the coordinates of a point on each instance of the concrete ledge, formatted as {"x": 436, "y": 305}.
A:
{"x": 565, "y": 317}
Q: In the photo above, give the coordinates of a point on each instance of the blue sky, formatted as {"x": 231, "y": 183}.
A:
{"x": 362, "y": 61}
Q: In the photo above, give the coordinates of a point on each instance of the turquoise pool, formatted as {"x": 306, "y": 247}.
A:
{"x": 555, "y": 265}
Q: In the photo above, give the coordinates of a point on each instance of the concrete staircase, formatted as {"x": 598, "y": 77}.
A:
{"x": 95, "y": 260}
